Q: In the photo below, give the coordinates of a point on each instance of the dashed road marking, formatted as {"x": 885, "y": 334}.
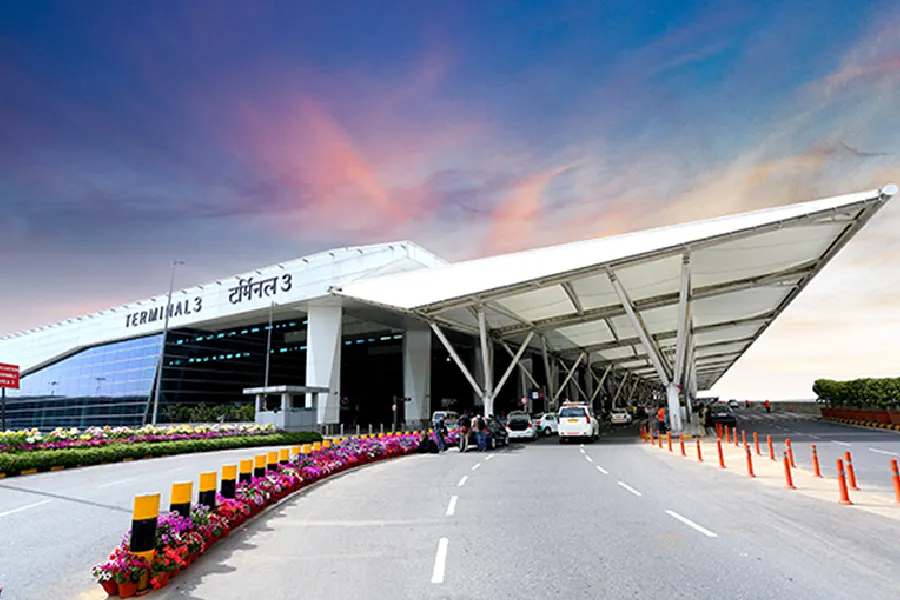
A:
{"x": 840, "y": 443}
{"x": 440, "y": 561}
{"x": 451, "y": 508}
{"x": 629, "y": 488}
{"x": 475, "y": 466}
{"x": 489, "y": 457}
{"x": 589, "y": 458}
{"x": 21, "y": 508}
{"x": 602, "y": 470}
{"x": 691, "y": 524}
{"x": 877, "y": 451}
{"x": 119, "y": 482}
{"x": 462, "y": 481}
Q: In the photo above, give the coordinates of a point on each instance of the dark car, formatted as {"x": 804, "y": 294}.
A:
{"x": 722, "y": 414}
{"x": 497, "y": 435}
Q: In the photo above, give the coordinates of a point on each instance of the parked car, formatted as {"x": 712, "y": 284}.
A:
{"x": 497, "y": 435}
{"x": 733, "y": 403}
{"x": 547, "y": 423}
{"x": 577, "y": 422}
{"x": 621, "y": 417}
{"x": 519, "y": 426}
{"x": 722, "y": 414}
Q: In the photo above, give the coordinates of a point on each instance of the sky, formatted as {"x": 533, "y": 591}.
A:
{"x": 235, "y": 134}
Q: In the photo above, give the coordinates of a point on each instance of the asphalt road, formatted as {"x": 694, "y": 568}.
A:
{"x": 871, "y": 449}
{"x": 55, "y": 526}
{"x": 611, "y": 520}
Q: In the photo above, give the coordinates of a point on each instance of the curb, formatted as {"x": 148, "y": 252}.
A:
{"x": 867, "y": 424}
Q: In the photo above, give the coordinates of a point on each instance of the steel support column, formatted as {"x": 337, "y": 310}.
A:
{"x": 568, "y": 376}
{"x": 459, "y": 363}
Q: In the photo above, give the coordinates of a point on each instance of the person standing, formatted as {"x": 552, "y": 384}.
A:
{"x": 482, "y": 433}
{"x": 441, "y": 431}
{"x": 661, "y": 419}
{"x": 464, "y": 423}
{"x": 768, "y": 406}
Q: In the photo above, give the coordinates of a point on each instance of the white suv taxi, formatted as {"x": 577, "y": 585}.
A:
{"x": 577, "y": 422}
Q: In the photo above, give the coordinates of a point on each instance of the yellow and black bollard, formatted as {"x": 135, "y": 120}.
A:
{"x": 272, "y": 462}
{"x": 180, "y": 498}
{"x": 259, "y": 465}
{"x": 307, "y": 448}
{"x": 246, "y": 471}
{"x": 295, "y": 452}
{"x": 229, "y": 475}
{"x": 207, "y": 496}
{"x": 284, "y": 456}
{"x": 143, "y": 530}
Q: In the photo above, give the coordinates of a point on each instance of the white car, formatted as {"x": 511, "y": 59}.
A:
{"x": 547, "y": 424}
{"x": 620, "y": 417}
{"x": 577, "y": 422}
{"x": 519, "y": 426}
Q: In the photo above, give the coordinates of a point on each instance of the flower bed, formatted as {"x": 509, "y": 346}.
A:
{"x": 180, "y": 540}
{"x": 31, "y": 440}
{"x": 15, "y": 463}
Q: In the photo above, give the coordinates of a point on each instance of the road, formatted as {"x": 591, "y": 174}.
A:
{"x": 611, "y": 520}
{"x": 55, "y": 526}
{"x": 871, "y": 449}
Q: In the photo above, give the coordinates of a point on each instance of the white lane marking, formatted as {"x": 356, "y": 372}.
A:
{"x": 839, "y": 443}
{"x": 581, "y": 449}
{"x": 602, "y": 470}
{"x": 876, "y": 450}
{"x": 581, "y": 446}
{"x": 814, "y": 436}
{"x": 589, "y": 458}
{"x": 691, "y": 524}
{"x": 629, "y": 488}
{"x": 440, "y": 562}
{"x": 463, "y": 481}
{"x": 475, "y": 466}
{"x": 489, "y": 457}
{"x": 21, "y": 508}
{"x": 451, "y": 508}
{"x": 119, "y": 482}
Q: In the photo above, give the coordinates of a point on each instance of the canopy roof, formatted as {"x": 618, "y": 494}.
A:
{"x": 711, "y": 287}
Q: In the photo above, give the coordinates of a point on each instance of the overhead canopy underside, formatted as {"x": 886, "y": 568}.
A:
{"x": 677, "y": 304}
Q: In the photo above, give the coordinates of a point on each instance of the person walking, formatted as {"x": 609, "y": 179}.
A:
{"x": 661, "y": 419}
{"x": 441, "y": 431}
{"x": 482, "y": 434}
{"x": 464, "y": 423}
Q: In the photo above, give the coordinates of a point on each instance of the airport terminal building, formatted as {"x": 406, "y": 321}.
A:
{"x": 661, "y": 313}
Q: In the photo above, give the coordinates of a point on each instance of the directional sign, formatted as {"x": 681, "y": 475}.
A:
{"x": 9, "y": 376}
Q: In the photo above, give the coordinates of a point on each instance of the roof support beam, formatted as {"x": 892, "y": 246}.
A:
{"x": 639, "y": 327}
{"x": 486, "y": 362}
{"x": 637, "y": 383}
{"x": 514, "y": 362}
{"x": 459, "y": 363}
{"x": 684, "y": 320}
{"x": 512, "y": 355}
{"x": 568, "y": 377}
{"x": 599, "y": 381}
{"x": 619, "y": 389}
{"x": 575, "y": 381}
{"x": 548, "y": 372}
{"x": 573, "y": 297}
{"x": 604, "y": 312}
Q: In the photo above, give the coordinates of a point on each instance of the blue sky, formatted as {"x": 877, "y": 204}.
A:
{"x": 233, "y": 134}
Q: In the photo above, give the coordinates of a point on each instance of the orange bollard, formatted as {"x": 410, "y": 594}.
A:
{"x": 669, "y": 439}
{"x": 895, "y": 475}
{"x": 734, "y": 435}
{"x": 660, "y": 439}
{"x": 815, "y": 459}
{"x": 719, "y": 430}
{"x": 743, "y": 437}
{"x": 756, "y": 443}
{"x": 844, "y": 497}
{"x": 790, "y": 451}
{"x": 721, "y": 455}
{"x": 727, "y": 436}
{"x": 788, "y": 480}
{"x": 699, "y": 452}
{"x": 771, "y": 449}
{"x": 851, "y": 474}
{"x": 681, "y": 441}
{"x": 750, "y": 472}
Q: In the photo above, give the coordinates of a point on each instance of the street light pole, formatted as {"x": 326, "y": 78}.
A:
{"x": 162, "y": 346}
{"x": 269, "y": 341}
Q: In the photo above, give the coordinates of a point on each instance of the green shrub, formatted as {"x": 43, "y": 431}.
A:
{"x": 868, "y": 392}
{"x": 14, "y": 463}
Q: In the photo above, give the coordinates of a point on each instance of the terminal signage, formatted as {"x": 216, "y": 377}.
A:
{"x": 247, "y": 288}
{"x": 9, "y": 376}
{"x": 188, "y": 306}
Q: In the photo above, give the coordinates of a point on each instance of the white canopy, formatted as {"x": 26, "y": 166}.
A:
{"x": 676, "y": 304}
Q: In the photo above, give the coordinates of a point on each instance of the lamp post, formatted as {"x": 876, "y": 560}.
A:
{"x": 162, "y": 346}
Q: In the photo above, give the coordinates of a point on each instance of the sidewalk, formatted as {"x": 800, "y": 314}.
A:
{"x": 771, "y": 473}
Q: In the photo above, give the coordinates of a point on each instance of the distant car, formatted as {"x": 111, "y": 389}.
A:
{"x": 577, "y": 422}
{"x": 519, "y": 426}
{"x": 547, "y": 424}
{"x": 621, "y": 417}
{"x": 733, "y": 403}
{"x": 448, "y": 415}
{"x": 722, "y": 414}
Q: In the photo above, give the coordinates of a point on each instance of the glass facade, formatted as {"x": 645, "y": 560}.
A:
{"x": 104, "y": 385}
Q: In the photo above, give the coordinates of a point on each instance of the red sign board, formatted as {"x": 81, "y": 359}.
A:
{"x": 9, "y": 376}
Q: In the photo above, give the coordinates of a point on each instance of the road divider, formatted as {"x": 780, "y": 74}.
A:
{"x": 159, "y": 546}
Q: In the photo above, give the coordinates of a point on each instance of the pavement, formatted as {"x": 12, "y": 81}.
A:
{"x": 55, "y": 526}
{"x": 611, "y": 520}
